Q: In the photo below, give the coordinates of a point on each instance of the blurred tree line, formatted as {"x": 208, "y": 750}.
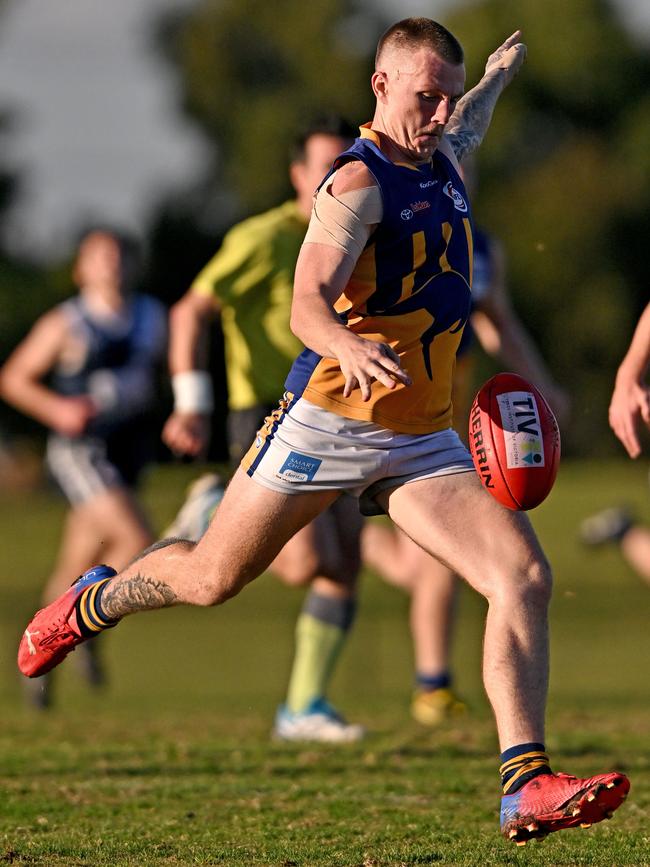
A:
{"x": 564, "y": 172}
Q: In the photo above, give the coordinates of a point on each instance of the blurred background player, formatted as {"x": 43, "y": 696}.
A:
{"x": 249, "y": 284}
{"x": 432, "y": 585}
{"x": 87, "y": 371}
{"x": 630, "y": 404}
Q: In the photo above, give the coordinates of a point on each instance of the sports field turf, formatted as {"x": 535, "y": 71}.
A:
{"x": 172, "y": 765}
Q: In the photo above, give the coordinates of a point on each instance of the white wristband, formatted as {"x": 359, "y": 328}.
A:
{"x": 193, "y": 392}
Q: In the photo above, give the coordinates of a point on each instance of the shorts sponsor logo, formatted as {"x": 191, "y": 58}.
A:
{"x": 299, "y": 468}
{"x": 420, "y": 206}
{"x": 459, "y": 202}
{"x": 522, "y": 431}
{"x": 407, "y": 214}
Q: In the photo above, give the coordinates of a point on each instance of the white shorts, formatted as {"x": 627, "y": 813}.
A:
{"x": 87, "y": 467}
{"x": 302, "y": 447}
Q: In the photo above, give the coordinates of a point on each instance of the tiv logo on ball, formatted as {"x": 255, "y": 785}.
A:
{"x": 522, "y": 432}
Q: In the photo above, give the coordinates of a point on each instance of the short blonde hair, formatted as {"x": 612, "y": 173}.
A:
{"x": 418, "y": 32}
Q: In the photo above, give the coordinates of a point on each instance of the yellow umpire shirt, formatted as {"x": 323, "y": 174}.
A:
{"x": 251, "y": 280}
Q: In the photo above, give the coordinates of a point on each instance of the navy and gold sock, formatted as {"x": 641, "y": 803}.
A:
{"x": 431, "y": 682}
{"x": 91, "y": 618}
{"x": 522, "y": 763}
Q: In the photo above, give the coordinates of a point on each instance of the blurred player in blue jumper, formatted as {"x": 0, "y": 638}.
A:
{"x": 87, "y": 371}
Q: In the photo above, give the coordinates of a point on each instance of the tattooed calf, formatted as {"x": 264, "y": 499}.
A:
{"x": 140, "y": 593}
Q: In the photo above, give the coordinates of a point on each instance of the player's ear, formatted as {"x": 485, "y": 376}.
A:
{"x": 379, "y": 84}
{"x": 296, "y": 173}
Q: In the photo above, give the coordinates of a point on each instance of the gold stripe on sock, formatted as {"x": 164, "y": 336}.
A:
{"x": 529, "y": 766}
{"x": 513, "y": 763}
{"x": 88, "y": 604}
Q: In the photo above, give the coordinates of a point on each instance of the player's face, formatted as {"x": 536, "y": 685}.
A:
{"x": 98, "y": 261}
{"x": 417, "y": 94}
{"x": 320, "y": 153}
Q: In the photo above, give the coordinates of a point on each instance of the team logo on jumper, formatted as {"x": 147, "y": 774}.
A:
{"x": 298, "y": 468}
{"x": 425, "y": 184}
{"x": 459, "y": 202}
{"x": 420, "y": 206}
{"x": 406, "y": 214}
{"x": 522, "y": 432}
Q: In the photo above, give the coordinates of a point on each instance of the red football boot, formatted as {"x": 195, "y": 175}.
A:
{"x": 53, "y": 631}
{"x": 551, "y": 802}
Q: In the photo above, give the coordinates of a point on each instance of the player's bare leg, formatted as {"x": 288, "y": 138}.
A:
{"x": 246, "y": 534}
{"x": 498, "y": 554}
{"x": 431, "y": 585}
{"x": 433, "y": 605}
{"x": 432, "y": 588}
{"x": 325, "y": 556}
{"x": 109, "y": 527}
{"x": 382, "y": 548}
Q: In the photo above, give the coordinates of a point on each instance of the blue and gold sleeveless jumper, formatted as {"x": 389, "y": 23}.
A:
{"x": 410, "y": 289}
{"x": 120, "y": 439}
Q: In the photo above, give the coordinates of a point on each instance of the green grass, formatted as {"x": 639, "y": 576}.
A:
{"x": 173, "y": 764}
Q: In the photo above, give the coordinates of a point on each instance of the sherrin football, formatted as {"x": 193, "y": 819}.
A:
{"x": 515, "y": 441}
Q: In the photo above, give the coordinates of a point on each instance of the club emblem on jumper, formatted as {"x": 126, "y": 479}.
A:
{"x": 459, "y": 202}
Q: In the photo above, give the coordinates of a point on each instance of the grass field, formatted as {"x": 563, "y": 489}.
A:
{"x": 172, "y": 765}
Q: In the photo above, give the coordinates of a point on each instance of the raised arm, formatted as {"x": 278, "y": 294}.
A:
{"x": 473, "y": 113}
{"x": 631, "y": 397}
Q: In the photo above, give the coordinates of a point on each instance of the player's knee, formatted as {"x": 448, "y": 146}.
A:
{"x": 538, "y": 583}
{"x": 527, "y": 584}
{"x": 298, "y": 571}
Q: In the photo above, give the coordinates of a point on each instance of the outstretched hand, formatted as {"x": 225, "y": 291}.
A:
{"x": 508, "y": 57}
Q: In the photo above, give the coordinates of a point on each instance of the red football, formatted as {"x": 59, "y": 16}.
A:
{"x": 514, "y": 440}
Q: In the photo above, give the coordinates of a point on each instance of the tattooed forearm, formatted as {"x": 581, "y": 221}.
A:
{"x": 140, "y": 593}
{"x": 470, "y": 121}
